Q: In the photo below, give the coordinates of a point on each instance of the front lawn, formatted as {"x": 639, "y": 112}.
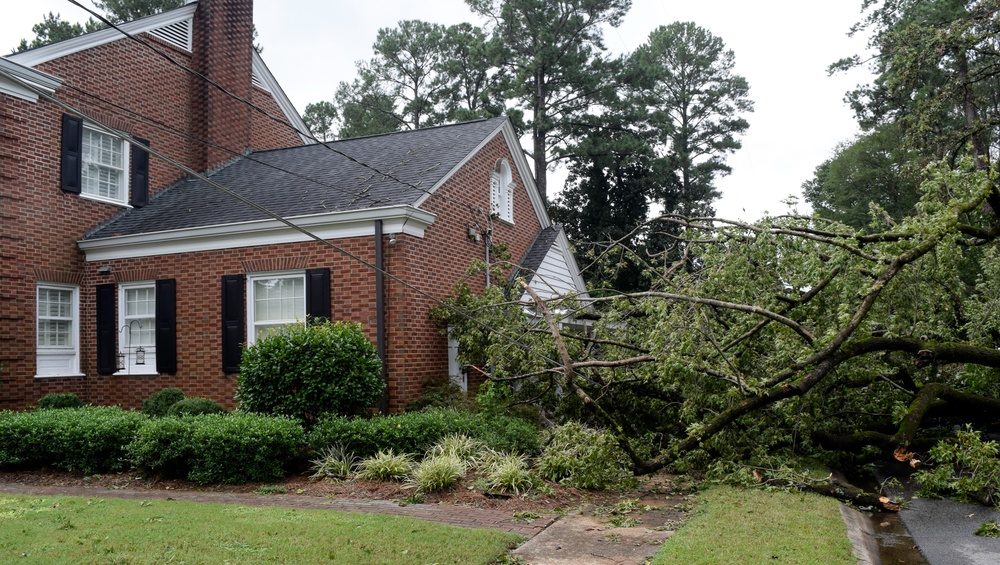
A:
{"x": 90, "y": 530}
{"x": 757, "y": 527}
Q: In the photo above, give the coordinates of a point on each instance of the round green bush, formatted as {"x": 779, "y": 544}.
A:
{"x": 158, "y": 403}
{"x": 194, "y": 407}
{"x": 307, "y": 370}
{"x": 59, "y": 400}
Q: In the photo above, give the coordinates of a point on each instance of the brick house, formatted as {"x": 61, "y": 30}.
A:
{"x": 107, "y": 247}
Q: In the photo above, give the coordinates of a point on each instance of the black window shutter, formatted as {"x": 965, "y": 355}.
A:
{"x": 166, "y": 326}
{"x": 140, "y": 174}
{"x": 71, "y": 153}
{"x": 107, "y": 354}
{"x": 318, "y": 294}
{"x": 233, "y": 320}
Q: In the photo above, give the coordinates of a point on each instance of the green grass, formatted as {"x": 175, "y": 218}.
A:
{"x": 755, "y": 527}
{"x": 81, "y": 530}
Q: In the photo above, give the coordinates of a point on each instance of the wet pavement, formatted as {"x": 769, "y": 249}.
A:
{"x": 945, "y": 532}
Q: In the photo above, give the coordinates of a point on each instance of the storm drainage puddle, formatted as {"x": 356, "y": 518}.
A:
{"x": 895, "y": 546}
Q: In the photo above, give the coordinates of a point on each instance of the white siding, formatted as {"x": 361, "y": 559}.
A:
{"x": 555, "y": 276}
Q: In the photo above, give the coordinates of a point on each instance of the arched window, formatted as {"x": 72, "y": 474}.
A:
{"x": 502, "y": 191}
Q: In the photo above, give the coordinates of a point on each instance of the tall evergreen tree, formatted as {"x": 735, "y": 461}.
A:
{"x": 553, "y": 54}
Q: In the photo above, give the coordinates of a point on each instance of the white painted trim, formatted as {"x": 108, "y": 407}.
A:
{"x": 44, "y": 54}
{"x": 355, "y": 223}
{"x": 68, "y": 355}
{"x": 251, "y": 324}
{"x": 574, "y": 268}
{"x": 287, "y": 108}
{"x": 149, "y": 368}
{"x": 19, "y": 81}
{"x": 514, "y": 146}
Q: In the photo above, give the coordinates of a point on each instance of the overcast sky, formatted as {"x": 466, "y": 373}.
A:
{"x": 782, "y": 47}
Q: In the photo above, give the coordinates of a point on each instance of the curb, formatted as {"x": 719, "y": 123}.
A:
{"x": 862, "y": 536}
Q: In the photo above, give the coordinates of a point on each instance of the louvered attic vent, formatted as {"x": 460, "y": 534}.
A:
{"x": 177, "y": 34}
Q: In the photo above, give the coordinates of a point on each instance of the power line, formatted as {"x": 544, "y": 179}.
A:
{"x": 514, "y": 341}
{"x": 472, "y": 209}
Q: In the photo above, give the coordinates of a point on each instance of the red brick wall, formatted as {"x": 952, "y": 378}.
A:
{"x": 417, "y": 348}
{"x": 130, "y": 87}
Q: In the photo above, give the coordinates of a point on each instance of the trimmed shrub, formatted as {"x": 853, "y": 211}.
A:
{"x": 583, "y": 458}
{"x": 90, "y": 439}
{"x": 194, "y": 407}
{"x": 308, "y": 370}
{"x": 416, "y": 432}
{"x": 158, "y": 403}
{"x": 219, "y": 448}
{"x": 56, "y": 400}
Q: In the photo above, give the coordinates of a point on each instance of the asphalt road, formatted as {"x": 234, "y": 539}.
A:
{"x": 944, "y": 530}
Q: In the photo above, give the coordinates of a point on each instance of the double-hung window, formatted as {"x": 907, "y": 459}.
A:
{"x": 105, "y": 166}
{"x": 274, "y": 300}
{"x": 57, "y": 330}
{"x": 137, "y": 326}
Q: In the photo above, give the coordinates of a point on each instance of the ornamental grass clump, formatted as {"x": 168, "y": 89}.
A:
{"x": 385, "y": 466}
{"x": 436, "y": 473}
{"x": 334, "y": 462}
{"x": 507, "y": 473}
{"x": 461, "y": 446}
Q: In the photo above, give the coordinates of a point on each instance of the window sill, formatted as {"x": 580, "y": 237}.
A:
{"x": 152, "y": 373}
{"x": 112, "y": 201}
{"x": 70, "y": 375}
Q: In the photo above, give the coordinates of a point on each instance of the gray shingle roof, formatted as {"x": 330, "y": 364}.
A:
{"x": 535, "y": 254}
{"x": 311, "y": 179}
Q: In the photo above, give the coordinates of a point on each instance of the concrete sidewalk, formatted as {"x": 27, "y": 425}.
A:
{"x": 945, "y": 531}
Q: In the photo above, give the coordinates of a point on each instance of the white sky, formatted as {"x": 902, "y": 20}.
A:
{"x": 782, "y": 47}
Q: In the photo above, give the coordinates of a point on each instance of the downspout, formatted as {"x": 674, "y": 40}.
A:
{"x": 380, "y": 315}
{"x": 488, "y": 240}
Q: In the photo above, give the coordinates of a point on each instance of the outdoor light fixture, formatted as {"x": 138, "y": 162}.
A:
{"x": 140, "y": 352}
{"x": 121, "y": 361}
{"x": 104, "y": 270}
{"x": 140, "y": 355}
{"x": 392, "y": 239}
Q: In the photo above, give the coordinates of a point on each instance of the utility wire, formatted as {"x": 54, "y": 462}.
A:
{"x": 472, "y": 209}
{"x": 112, "y": 131}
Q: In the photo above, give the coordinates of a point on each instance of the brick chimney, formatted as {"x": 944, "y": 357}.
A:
{"x": 223, "y": 43}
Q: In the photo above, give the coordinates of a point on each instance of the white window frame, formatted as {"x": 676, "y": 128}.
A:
{"x": 86, "y": 161}
{"x": 502, "y": 192}
{"x": 251, "y": 301}
{"x": 127, "y": 332}
{"x": 54, "y": 360}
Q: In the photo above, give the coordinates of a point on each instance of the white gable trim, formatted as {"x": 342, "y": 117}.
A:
{"x": 514, "y": 146}
{"x": 272, "y": 86}
{"x": 355, "y": 223}
{"x": 39, "y": 55}
{"x": 558, "y": 275}
{"x": 21, "y": 82}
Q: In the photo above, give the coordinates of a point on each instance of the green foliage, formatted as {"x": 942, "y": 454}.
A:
{"x": 52, "y": 29}
{"x": 504, "y": 472}
{"x": 334, "y": 462}
{"x": 966, "y": 468}
{"x": 582, "y": 458}
{"x": 158, "y": 403}
{"x": 441, "y": 392}
{"x": 91, "y": 439}
{"x": 989, "y": 529}
{"x": 436, "y": 472}
{"x": 874, "y": 174}
{"x": 308, "y": 370}
{"x": 385, "y": 466}
{"x": 416, "y": 432}
{"x": 59, "y": 400}
{"x": 320, "y": 118}
{"x": 460, "y": 446}
{"x": 194, "y": 407}
{"x": 218, "y": 448}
